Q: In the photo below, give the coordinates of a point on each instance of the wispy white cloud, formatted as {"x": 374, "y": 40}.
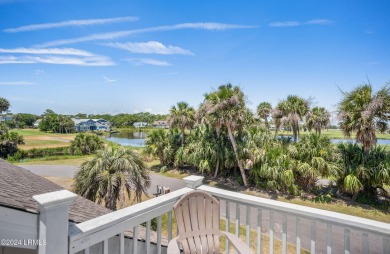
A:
{"x": 16, "y": 83}
{"x": 119, "y": 34}
{"x": 298, "y": 23}
{"x": 148, "y": 61}
{"x": 107, "y": 80}
{"x": 80, "y": 22}
{"x": 48, "y": 51}
{"x": 151, "y": 47}
{"x": 39, "y": 72}
{"x": 373, "y": 63}
{"x": 47, "y": 59}
{"x": 70, "y": 56}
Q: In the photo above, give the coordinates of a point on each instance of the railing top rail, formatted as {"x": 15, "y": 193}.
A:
{"x": 83, "y": 229}
{"x": 303, "y": 211}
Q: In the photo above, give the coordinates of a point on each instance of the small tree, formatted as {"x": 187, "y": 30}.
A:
{"x": 9, "y": 141}
{"x": 4, "y": 105}
{"x": 264, "y": 110}
{"x": 86, "y": 143}
{"x": 361, "y": 110}
{"x": 110, "y": 175}
{"x": 182, "y": 116}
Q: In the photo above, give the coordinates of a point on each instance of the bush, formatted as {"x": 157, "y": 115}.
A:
{"x": 39, "y": 153}
{"x": 86, "y": 143}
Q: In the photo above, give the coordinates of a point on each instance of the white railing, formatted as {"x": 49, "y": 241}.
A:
{"x": 369, "y": 236}
{"x": 307, "y": 228}
{"x": 98, "y": 230}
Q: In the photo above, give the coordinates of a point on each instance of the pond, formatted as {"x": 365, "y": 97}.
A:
{"x": 128, "y": 138}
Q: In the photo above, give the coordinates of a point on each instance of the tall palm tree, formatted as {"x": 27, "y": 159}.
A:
{"x": 290, "y": 112}
{"x": 226, "y": 107}
{"x": 317, "y": 118}
{"x": 183, "y": 117}
{"x": 110, "y": 175}
{"x": 361, "y": 109}
{"x": 4, "y": 105}
{"x": 264, "y": 110}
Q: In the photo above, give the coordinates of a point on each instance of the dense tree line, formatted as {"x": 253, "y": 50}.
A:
{"x": 224, "y": 138}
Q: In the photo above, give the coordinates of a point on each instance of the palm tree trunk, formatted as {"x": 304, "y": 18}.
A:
{"x": 266, "y": 122}
{"x": 216, "y": 169}
{"x": 236, "y": 154}
{"x": 295, "y": 134}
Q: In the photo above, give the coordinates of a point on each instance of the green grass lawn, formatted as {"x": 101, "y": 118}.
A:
{"x": 35, "y": 138}
{"x": 335, "y": 133}
{"x": 72, "y": 160}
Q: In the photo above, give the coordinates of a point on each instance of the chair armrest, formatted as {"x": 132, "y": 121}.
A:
{"x": 239, "y": 245}
{"x": 173, "y": 246}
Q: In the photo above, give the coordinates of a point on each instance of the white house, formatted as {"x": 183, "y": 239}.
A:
{"x": 5, "y": 118}
{"x": 140, "y": 124}
{"x": 36, "y": 123}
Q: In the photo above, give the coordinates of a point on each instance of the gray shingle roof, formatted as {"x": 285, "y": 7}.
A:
{"x": 18, "y": 186}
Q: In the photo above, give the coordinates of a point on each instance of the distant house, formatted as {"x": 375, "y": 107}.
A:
{"x": 140, "y": 124}
{"x": 36, "y": 123}
{"x": 82, "y": 125}
{"x": 5, "y": 118}
{"x": 161, "y": 124}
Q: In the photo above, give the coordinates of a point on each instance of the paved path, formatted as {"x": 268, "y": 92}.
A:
{"x": 305, "y": 225}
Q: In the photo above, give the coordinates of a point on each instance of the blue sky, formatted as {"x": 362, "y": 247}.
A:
{"x": 136, "y": 56}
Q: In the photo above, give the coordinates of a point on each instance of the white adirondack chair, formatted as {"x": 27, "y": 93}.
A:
{"x": 197, "y": 218}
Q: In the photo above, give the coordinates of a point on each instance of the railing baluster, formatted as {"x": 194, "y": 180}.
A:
{"x": 346, "y": 241}
{"x": 227, "y": 224}
{"x": 169, "y": 225}
{"x": 148, "y": 224}
{"x": 284, "y": 235}
{"x": 298, "y": 234}
{"x": 271, "y": 232}
{"x": 366, "y": 249}
{"x": 159, "y": 232}
{"x": 386, "y": 245}
{"x": 105, "y": 246}
{"x": 313, "y": 237}
{"x": 121, "y": 243}
{"x": 248, "y": 225}
{"x": 259, "y": 229}
{"x": 237, "y": 219}
{"x": 86, "y": 250}
{"x": 329, "y": 239}
{"x": 135, "y": 239}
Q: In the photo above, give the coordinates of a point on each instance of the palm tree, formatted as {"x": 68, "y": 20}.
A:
{"x": 86, "y": 143}
{"x": 264, "y": 111}
{"x": 110, "y": 175}
{"x": 361, "y": 109}
{"x": 4, "y": 105}
{"x": 317, "y": 118}
{"x": 290, "y": 112}
{"x": 226, "y": 107}
{"x": 183, "y": 117}
{"x": 363, "y": 171}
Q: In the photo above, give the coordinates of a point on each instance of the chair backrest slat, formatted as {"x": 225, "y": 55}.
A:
{"x": 197, "y": 217}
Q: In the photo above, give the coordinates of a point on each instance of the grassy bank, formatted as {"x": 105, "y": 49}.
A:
{"x": 73, "y": 160}
{"x": 35, "y": 138}
{"x": 334, "y": 134}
